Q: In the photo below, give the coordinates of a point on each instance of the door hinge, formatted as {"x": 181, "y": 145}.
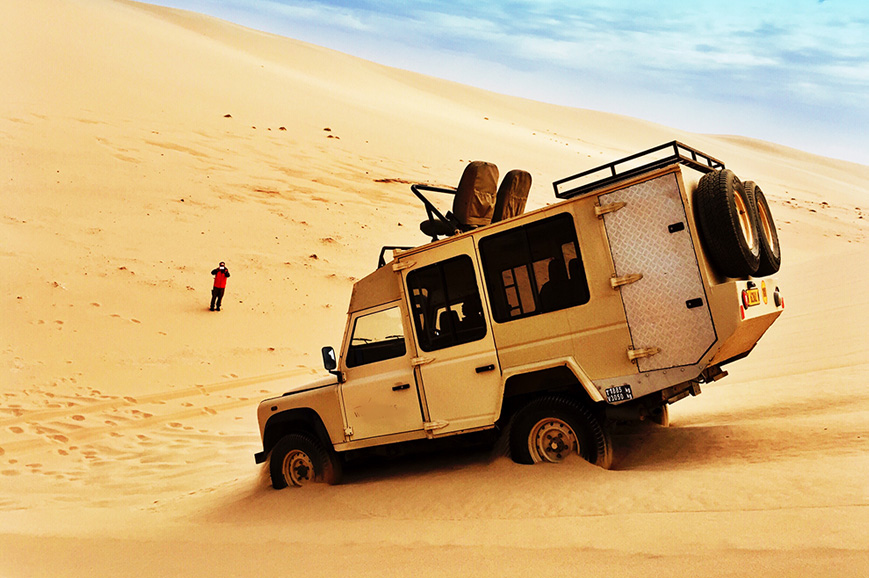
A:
{"x": 601, "y": 210}
{"x": 617, "y": 282}
{"x": 635, "y": 354}
{"x": 417, "y": 361}
{"x": 433, "y": 425}
{"x": 402, "y": 265}
{"x": 348, "y": 431}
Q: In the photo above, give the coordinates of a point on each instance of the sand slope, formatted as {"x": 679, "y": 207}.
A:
{"x": 139, "y": 146}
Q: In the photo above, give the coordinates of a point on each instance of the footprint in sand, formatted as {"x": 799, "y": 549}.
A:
{"x": 15, "y": 429}
{"x": 10, "y": 472}
{"x": 2, "y": 451}
{"x": 60, "y": 438}
{"x": 174, "y": 424}
{"x": 110, "y": 422}
{"x": 78, "y": 417}
{"x": 135, "y": 320}
{"x": 210, "y": 411}
{"x": 130, "y": 399}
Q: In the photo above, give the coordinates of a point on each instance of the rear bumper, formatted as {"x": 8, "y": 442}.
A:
{"x": 748, "y": 323}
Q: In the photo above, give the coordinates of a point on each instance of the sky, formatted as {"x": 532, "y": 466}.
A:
{"x": 793, "y": 72}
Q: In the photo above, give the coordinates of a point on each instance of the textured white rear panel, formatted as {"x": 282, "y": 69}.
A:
{"x": 656, "y": 306}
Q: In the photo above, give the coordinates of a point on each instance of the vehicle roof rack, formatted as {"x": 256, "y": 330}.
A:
{"x": 625, "y": 168}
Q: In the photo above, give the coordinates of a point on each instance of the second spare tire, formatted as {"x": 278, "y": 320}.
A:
{"x": 728, "y": 225}
{"x": 770, "y": 251}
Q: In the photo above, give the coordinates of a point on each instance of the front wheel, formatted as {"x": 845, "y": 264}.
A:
{"x": 551, "y": 428}
{"x": 298, "y": 460}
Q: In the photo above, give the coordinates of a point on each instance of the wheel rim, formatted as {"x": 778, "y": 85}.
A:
{"x": 552, "y": 440}
{"x": 744, "y": 219}
{"x": 298, "y": 469}
{"x": 766, "y": 226}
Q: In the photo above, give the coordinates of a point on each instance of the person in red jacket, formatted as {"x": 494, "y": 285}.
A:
{"x": 220, "y": 276}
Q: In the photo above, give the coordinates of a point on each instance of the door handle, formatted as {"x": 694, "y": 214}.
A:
{"x": 485, "y": 368}
{"x": 400, "y": 387}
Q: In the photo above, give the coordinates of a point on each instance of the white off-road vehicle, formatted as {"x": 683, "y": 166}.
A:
{"x": 649, "y": 275}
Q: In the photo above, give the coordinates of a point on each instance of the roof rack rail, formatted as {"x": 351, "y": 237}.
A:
{"x": 381, "y": 261}
{"x": 627, "y": 167}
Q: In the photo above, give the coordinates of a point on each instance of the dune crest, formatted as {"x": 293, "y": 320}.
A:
{"x": 142, "y": 145}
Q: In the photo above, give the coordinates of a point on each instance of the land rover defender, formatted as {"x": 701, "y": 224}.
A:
{"x": 639, "y": 285}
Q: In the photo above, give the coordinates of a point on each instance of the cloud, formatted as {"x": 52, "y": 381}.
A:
{"x": 783, "y": 55}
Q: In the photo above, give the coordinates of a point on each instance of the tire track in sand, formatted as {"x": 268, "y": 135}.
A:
{"x": 49, "y": 433}
{"x": 39, "y": 415}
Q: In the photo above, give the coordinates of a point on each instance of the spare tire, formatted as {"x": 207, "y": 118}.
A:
{"x": 727, "y": 222}
{"x": 770, "y": 251}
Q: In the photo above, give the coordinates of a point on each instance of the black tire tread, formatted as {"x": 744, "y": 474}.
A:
{"x": 770, "y": 250}
{"x": 719, "y": 224}
{"x": 595, "y": 442}
{"x": 327, "y": 467}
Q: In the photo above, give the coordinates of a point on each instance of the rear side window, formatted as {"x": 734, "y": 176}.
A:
{"x": 445, "y": 304}
{"x": 534, "y": 269}
{"x": 376, "y": 337}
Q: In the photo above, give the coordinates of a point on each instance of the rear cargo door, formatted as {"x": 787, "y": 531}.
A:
{"x": 667, "y": 309}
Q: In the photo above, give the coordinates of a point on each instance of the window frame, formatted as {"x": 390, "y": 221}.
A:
{"x": 426, "y": 317}
{"x": 389, "y": 346}
{"x": 519, "y": 238}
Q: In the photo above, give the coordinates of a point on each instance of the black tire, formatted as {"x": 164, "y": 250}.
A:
{"x": 770, "y": 250}
{"x": 551, "y": 428}
{"x": 299, "y": 460}
{"x": 728, "y": 225}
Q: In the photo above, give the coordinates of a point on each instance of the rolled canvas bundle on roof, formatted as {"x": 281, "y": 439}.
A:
{"x": 475, "y": 196}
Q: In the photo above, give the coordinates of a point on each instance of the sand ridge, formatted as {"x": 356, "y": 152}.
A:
{"x": 140, "y": 145}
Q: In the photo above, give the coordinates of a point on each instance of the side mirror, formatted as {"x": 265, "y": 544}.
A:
{"x": 330, "y": 362}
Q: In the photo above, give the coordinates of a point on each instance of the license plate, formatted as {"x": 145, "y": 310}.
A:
{"x": 752, "y": 297}
{"x": 619, "y": 393}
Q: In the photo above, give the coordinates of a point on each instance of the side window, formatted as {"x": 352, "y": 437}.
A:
{"x": 445, "y": 304}
{"x": 534, "y": 269}
{"x": 375, "y": 337}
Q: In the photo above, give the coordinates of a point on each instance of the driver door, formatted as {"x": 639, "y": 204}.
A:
{"x": 380, "y": 393}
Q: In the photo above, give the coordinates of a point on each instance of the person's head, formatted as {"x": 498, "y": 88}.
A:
{"x": 222, "y": 265}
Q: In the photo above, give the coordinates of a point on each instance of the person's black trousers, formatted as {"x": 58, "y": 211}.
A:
{"x": 217, "y": 297}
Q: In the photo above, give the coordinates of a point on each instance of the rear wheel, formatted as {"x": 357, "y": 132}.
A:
{"x": 551, "y": 428}
{"x": 298, "y": 460}
{"x": 770, "y": 251}
{"x": 728, "y": 225}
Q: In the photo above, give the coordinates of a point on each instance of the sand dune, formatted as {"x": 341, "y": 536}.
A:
{"x": 139, "y": 146}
